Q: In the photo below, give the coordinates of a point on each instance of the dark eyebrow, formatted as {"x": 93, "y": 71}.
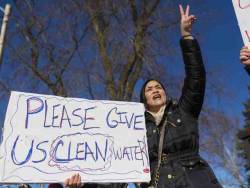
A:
{"x": 158, "y": 85}
{"x": 149, "y": 87}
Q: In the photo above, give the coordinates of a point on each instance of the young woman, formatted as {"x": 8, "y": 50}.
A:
{"x": 172, "y": 126}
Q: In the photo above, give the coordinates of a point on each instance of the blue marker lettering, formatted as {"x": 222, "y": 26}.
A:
{"x": 114, "y": 122}
{"x": 86, "y": 118}
{"x": 65, "y": 113}
{"x": 79, "y": 150}
{"x": 13, "y": 155}
{"x": 54, "y": 116}
{"x": 32, "y": 111}
{"x": 136, "y": 121}
{"x": 98, "y": 151}
{"x": 42, "y": 150}
{"x": 74, "y": 114}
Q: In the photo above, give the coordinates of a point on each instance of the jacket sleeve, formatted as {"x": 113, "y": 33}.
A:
{"x": 247, "y": 68}
{"x": 193, "y": 90}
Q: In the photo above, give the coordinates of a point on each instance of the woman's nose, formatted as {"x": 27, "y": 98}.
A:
{"x": 155, "y": 91}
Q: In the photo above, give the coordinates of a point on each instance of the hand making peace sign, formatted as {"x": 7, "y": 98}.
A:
{"x": 186, "y": 21}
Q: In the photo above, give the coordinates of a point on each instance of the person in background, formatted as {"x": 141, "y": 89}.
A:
{"x": 245, "y": 58}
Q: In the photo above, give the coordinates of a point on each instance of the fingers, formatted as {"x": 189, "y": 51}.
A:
{"x": 245, "y": 56}
{"x": 78, "y": 181}
{"x": 246, "y": 62}
{"x": 186, "y": 21}
{"x": 66, "y": 182}
{"x": 185, "y": 14}
{"x": 73, "y": 182}
{"x": 244, "y": 48}
{"x": 187, "y": 10}
{"x": 192, "y": 19}
{"x": 244, "y": 51}
{"x": 181, "y": 10}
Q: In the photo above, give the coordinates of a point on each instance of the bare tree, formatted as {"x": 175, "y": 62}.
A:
{"x": 218, "y": 141}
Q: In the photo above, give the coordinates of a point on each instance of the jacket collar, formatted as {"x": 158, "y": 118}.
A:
{"x": 149, "y": 117}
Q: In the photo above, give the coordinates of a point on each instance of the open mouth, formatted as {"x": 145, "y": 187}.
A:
{"x": 155, "y": 97}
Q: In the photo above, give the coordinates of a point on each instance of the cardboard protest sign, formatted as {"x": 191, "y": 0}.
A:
{"x": 242, "y": 11}
{"x": 48, "y": 139}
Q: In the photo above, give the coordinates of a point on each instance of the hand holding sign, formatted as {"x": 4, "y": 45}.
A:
{"x": 245, "y": 55}
{"x": 74, "y": 181}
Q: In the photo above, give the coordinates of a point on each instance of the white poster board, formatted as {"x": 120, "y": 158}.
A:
{"x": 48, "y": 139}
{"x": 242, "y": 11}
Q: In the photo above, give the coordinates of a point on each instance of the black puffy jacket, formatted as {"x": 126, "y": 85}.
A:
{"x": 182, "y": 166}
